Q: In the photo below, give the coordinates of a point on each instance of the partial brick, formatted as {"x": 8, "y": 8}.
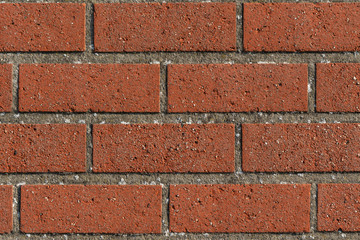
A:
{"x": 6, "y": 208}
{"x": 237, "y": 87}
{"x": 5, "y": 87}
{"x": 338, "y": 207}
{"x": 301, "y": 27}
{"x": 33, "y": 27}
{"x": 301, "y": 147}
{"x": 143, "y": 27}
{"x": 164, "y": 148}
{"x": 42, "y": 148}
{"x": 240, "y": 208}
{"x": 90, "y": 209}
{"x": 338, "y": 87}
{"x": 89, "y": 87}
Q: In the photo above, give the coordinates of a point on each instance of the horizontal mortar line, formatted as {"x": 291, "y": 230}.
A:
{"x": 178, "y": 178}
{"x": 195, "y": 56}
{"x": 185, "y": 118}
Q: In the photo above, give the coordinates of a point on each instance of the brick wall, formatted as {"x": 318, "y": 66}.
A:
{"x": 183, "y": 120}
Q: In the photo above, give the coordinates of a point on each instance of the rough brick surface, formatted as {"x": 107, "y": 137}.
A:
{"x": 6, "y": 209}
{"x": 338, "y": 207}
{"x": 164, "y": 148}
{"x": 5, "y": 87}
{"x": 338, "y": 87}
{"x": 237, "y": 88}
{"x": 291, "y": 27}
{"x": 42, "y": 148}
{"x": 96, "y": 96}
{"x": 89, "y": 87}
{"x": 301, "y": 147}
{"x": 140, "y": 27}
{"x": 240, "y": 208}
{"x": 90, "y": 209}
{"x": 32, "y": 27}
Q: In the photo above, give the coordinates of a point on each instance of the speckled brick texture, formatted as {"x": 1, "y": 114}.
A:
{"x": 45, "y": 27}
{"x": 6, "y": 209}
{"x": 90, "y": 209}
{"x": 220, "y": 119}
{"x": 301, "y": 147}
{"x": 6, "y": 87}
{"x": 164, "y": 148}
{"x": 338, "y": 206}
{"x": 338, "y": 87}
{"x": 89, "y": 87}
{"x": 237, "y": 88}
{"x": 240, "y": 208}
{"x": 301, "y": 27}
{"x": 143, "y": 27}
{"x": 42, "y": 148}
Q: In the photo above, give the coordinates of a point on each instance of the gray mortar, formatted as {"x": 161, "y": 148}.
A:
{"x": 165, "y": 58}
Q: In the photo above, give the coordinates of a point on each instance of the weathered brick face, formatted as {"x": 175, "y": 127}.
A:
{"x": 301, "y": 27}
{"x": 90, "y": 209}
{"x": 42, "y": 148}
{"x": 6, "y": 87}
{"x": 164, "y": 148}
{"x": 42, "y": 27}
{"x": 89, "y": 87}
{"x": 237, "y": 88}
{"x": 338, "y": 87}
{"x": 144, "y": 27}
{"x": 6, "y": 206}
{"x": 240, "y": 208}
{"x": 301, "y": 147}
{"x": 179, "y": 119}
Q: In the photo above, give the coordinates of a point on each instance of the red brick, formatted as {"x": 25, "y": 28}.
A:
{"x": 90, "y": 209}
{"x": 5, "y": 87}
{"x": 42, "y": 148}
{"x": 6, "y": 209}
{"x": 142, "y": 27}
{"x": 338, "y": 207}
{"x": 300, "y": 27}
{"x": 301, "y": 147}
{"x": 164, "y": 148}
{"x": 33, "y": 27}
{"x": 338, "y": 87}
{"x": 237, "y": 87}
{"x": 89, "y": 87}
{"x": 240, "y": 208}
